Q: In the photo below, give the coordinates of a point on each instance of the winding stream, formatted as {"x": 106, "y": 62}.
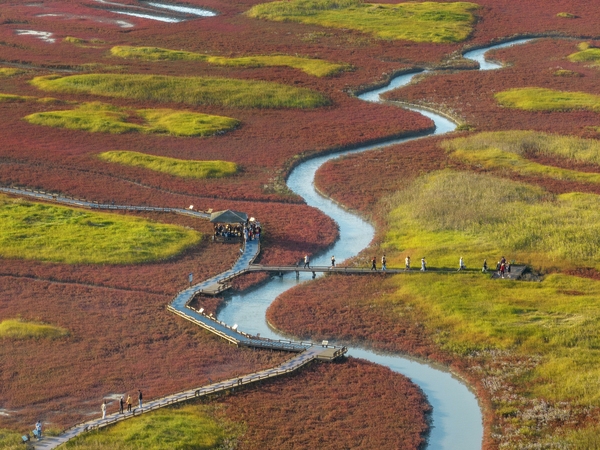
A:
{"x": 456, "y": 416}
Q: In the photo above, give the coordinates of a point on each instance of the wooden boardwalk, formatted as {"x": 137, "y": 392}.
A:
{"x": 291, "y": 365}
{"x": 306, "y": 351}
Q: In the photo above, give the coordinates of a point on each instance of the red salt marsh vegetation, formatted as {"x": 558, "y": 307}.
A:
{"x": 332, "y": 406}
{"x": 119, "y": 341}
{"x": 129, "y": 301}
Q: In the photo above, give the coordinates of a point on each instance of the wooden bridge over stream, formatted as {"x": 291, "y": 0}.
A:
{"x": 180, "y": 305}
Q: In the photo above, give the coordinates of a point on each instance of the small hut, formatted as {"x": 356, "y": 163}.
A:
{"x": 229, "y": 225}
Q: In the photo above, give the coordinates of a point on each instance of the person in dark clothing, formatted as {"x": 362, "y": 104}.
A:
{"x": 140, "y": 398}
{"x": 374, "y": 263}
{"x": 121, "y": 404}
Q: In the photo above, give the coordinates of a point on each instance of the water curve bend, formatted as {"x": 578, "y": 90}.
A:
{"x": 456, "y": 415}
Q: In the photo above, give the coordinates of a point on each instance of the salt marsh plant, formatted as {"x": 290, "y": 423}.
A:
{"x": 100, "y": 117}
{"x": 55, "y": 233}
{"x": 508, "y": 150}
{"x": 19, "y": 329}
{"x": 189, "y": 90}
{"x": 188, "y": 427}
{"x": 449, "y": 213}
{"x": 419, "y": 22}
{"x": 590, "y": 54}
{"x": 316, "y": 67}
{"x": 541, "y": 99}
{"x": 172, "y": 166}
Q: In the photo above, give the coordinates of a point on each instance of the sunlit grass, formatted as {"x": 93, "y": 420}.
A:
{"x": 316, "y": 67}
{"x": 18, "y": 329}
{"x": 541, "y": 99}
{"x": 10, "y": 440}
{"x": 591, "y": 55}
{"x": 11, "y": 98}
{"x": 419, "y": 22}
{"x": 172, "y": 166}
{"x": 446, "y": 215}
{"x": 186, "y": 428}
{"x": 508, "y": 150}
{"x": 10, "y": 71}
{"x": 60, "y": 234}
{"x": 189, "y": 90}
{"x": 100, "y": 117}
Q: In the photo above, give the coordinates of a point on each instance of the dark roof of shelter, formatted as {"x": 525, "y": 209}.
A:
{"x": 228, "y": 216}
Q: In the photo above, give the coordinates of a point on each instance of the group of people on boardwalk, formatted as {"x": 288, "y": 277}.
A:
{"x": 248, "y": 231}
{"x": 503, "y": 266}
{"x": 122, "y": 403}
{"x": 383, "y": 263}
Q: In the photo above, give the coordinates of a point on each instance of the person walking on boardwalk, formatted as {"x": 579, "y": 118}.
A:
{"x": 383, "y": 262}
{"x": 333, "y": 261}
{"x": 140, "y": 398}
{"x": 128, "y": 403}
{"x": 374, "y": 263}
{"x": 103, "y": 409}
{"x": 407, "y": 263}
{"x": 461, "y": 264}
{"x": 306, "y": 261}
{"x": 423, "y": 264}
{"x": 502, "y": 269}
{"x": 121, "y": 405}
{"x": 38, "y": 429}
{"x": 484, "y": 270}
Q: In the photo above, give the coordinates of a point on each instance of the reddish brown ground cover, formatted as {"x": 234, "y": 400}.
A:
{"x": 119, "y": 341}
{"x": 120, "y": 330}
{"x": 354, "y": 404}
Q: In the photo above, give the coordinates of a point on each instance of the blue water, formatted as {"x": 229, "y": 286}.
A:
{"x": 456, "y": 415}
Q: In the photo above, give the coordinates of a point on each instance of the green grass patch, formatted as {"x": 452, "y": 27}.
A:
{"x": 316, "y": 67}
{"x": 10, "y": 440}
{"x": 448, "y": 214}
{"x": 59, "y": 234}
{"x": 10, "y": 71}
{"x": 566, "y": 15}
{"x": 172, "y": 166}
{"x": 185, "y": 428}
{"x": 508, "y": 150}
{"x": 541, "y": 99}
{"x": 11, "y": 98}
{"x": 189, "y": 90}
{"x": 18, "y": 329}
{"x": 523, "y": 143}
{"x": 566, "y": 73}
{"x": 589, "y": 55}
{"x": 100, "y": 117}
{"x": 419, "y": 22}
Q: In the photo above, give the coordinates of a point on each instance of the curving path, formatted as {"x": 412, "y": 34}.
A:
{"x": 468, "y": 438}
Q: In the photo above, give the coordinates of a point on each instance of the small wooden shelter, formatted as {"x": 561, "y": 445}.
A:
{"x": 228, "y": 216}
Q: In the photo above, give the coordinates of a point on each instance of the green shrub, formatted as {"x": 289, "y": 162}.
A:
{"x": 100, "y": 117}
{"x": 586, "y": 55}
{"x": 10, "y": 71}
{"x": 190, "y": 90}
{"x": 59, "y": 234}
{"x": 172, "y": 166}
{"x": 185, "y": 428}
{"x": 566, "y": 15}
{"x": 541, "y": 99}
{"x": 522, "y": 143}
{"x": 449, "y": 213}
{"x": 316, "y": 67}
{"x": 419, "y": 22}
{"x": 18, "y": 329}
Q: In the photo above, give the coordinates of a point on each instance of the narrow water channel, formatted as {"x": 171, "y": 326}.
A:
{"x": 456, "y": 416}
